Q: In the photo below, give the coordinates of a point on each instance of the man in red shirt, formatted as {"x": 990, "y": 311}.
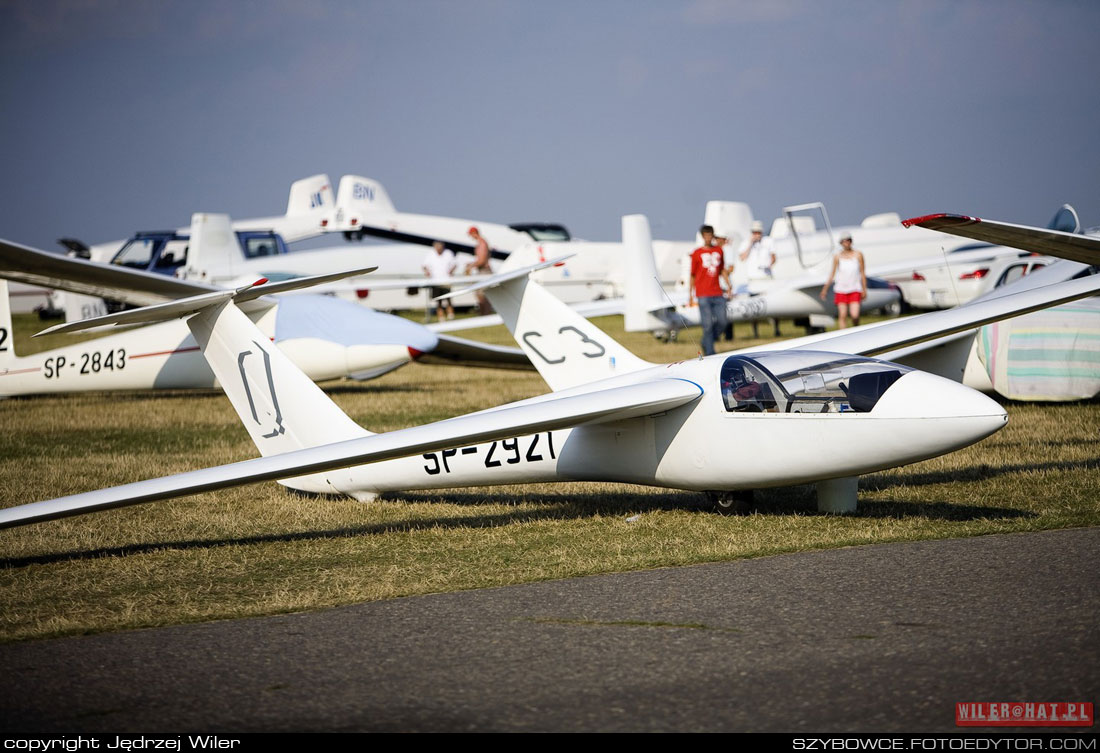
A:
{"x": 708, "y": 270}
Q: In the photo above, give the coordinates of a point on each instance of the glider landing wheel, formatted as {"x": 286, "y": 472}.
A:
{"x": 733, "y": 503}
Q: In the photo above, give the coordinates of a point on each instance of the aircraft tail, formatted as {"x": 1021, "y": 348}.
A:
{"x": 567, "y": 349}
{"x": 643, "y": 294}
{"x": 280, "y": 407}
{"x": 359, "y": 196}
{"x": 730, "y": 219}
{"x": 213, "y": 249}
{"x": 7, "y": 334}
{"x": 310, "y": 196}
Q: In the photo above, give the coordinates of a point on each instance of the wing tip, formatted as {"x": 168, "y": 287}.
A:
{"x": 941, "y": 219}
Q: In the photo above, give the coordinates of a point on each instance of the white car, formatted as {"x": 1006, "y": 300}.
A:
{"x": 962, "y": 275}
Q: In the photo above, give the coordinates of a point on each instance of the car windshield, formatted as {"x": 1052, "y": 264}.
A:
{"x": 805, "y": 382}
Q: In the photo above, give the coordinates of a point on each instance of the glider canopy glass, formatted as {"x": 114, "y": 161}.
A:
{"x": 805, "y": 382}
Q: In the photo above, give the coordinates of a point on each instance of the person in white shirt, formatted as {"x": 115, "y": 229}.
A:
{"x": 440, "y": 263}
{"x": 851, "y": 282}
{"x": 758, "y": 253}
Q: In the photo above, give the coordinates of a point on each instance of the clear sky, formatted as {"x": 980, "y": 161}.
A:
{"x": 120, "y": 115}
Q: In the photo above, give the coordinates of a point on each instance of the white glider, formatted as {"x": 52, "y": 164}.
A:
{"x": 325, "y": 337}
{"x": 722, "y": 423}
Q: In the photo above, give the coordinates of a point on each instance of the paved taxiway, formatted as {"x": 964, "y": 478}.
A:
{"x": 871, "y": 638}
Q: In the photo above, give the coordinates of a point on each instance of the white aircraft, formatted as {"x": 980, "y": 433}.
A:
{"x": 325, "y": 337}
{"x": 1048, "y": 355}
{"x": 310, "y": 202}
{"x": 966, "y": 272}
{"x": 722, "y": 423}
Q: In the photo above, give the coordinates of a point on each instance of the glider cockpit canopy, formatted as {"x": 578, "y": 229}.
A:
{"x": 800, "y": 381}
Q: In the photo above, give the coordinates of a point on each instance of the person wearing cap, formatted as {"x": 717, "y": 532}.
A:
{"x": 851, "y": 282}
{"x": 480, "y": 265}
{"x": 708, "y": 270}
{"x": 440, "y": 263}
{"x": 758, "y": 253}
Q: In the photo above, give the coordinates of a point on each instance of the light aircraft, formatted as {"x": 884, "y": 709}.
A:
{"x": 725, "y": 423}
{"x": 325, "y": 337}
{"x": 1048, "y": 355}
{"x": 967, "y": 271}
{"x": 237, "y": 250}
{"x": 309, "y": 203}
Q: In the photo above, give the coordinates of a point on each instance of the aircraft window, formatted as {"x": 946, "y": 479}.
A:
{"x": 1065, "y": 220}
{"x": 806, "y": 382}
{"x": 136, "y": 253}
{"x": 172, "y": 256}
{"x": 1012, "y": 274}
{"x": 257, "y": 247}
{"x": 548, "y": 235}
{"x": 543, "y": 231}
{"x": 746, "y": 388}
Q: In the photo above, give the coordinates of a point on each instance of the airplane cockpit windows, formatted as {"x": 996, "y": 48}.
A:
{"x": 260, "y": 244}
{"x": 257, "y": 247}
{"x": 805, "y": 382}
{"x": 747, "y": 388}
{"x": 172, "y": 256}
{"x": 543, "y": 231}
{"x": 138, "y": 253}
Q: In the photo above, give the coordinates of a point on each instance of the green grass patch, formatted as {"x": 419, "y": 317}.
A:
{"x": 261, "y": 550}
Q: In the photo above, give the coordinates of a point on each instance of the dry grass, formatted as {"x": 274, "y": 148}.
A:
{"x": 261, "y": 550}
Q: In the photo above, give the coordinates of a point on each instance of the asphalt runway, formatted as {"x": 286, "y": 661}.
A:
{"x": 874, "y": 638}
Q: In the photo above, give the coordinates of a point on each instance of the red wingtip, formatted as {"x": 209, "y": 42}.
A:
{"x": 954, "y": 219}
{"x": 415, "y": 353}
{"x": 260, "y": 281}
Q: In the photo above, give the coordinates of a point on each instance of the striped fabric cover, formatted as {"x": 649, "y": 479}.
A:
{"x": 1049, "y": 355}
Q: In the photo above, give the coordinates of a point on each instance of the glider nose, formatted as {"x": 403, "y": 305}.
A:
{"x": 947, "y": 414}
{"x": 349, "y": 339}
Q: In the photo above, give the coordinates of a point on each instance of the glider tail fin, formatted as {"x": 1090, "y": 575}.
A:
{"x": 642, "y": 293}
{"x": 7, "y": 334}
{"x": 310, "y": 196}
{"x": 280, "y": 407}
{"x": 567, "y": 349}
{"x": 358, "y": 197}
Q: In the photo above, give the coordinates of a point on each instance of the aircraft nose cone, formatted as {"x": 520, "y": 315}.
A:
{"x": 940, "y": 413}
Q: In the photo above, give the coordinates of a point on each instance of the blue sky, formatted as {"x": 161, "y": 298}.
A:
{"x": 122, "y": 115}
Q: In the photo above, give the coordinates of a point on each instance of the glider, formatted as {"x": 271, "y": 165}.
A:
{"x": 824, "y": 412}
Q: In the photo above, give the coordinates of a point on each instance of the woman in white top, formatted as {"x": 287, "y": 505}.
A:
{"x": 851, "y": 282}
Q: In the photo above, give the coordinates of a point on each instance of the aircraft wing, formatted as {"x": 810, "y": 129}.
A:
{"x": 459, "y": 351}
{"x": 588, "y": 309}
{"x": 900, "y": 333}
{"x": 1082, "y": 248}
{"x": 35, "y": 267}
{"x": 175, "y": 309}
{"x": 544, "y": 413}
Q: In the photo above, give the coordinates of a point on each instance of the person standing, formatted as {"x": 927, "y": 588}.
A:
{"x": 851, "y": 282}
{"x": 708, "y": 270}
{"x": 758, "y": 253}
{"x": 722, "y": 242}
{"x": 440, "y": 263}
{"x": 480, "y": 265}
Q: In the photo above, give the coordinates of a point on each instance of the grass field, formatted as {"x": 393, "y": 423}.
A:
{"x": 261, "y": 550}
